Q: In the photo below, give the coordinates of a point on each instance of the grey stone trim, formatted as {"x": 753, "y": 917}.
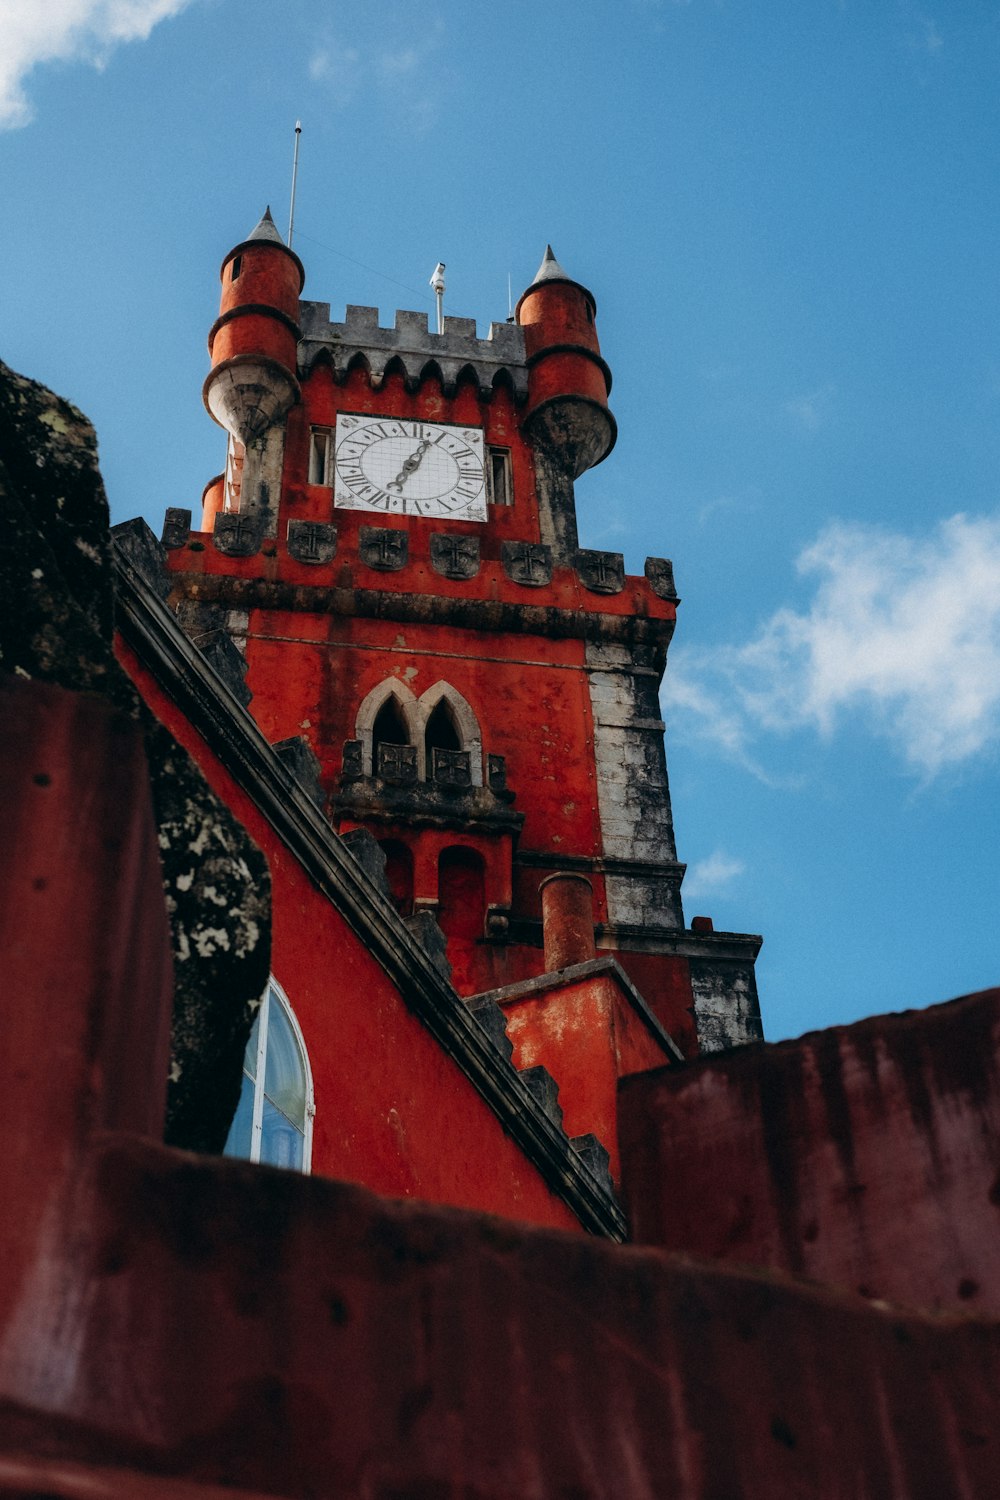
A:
{"x": 544, "y": 984}
{"x": 426, "y": 804}
{"x": 151, "y": 631}
{"x": 385, "y": 548}
{"x": 633, "y": 797}
{"x": 176, "y": 526}
{"x": 237, "y": 535}
{"x": 301, "y": 759}
{"x": 495, "y": 616}
{"x": 590, "y": 1150}
{"x": 740, "y": 947}
{"x": 312, "y": 541}
{"x": 454, "y": 556}
{"x": 527, "y": 563}
{"x": 660, "y": 573}
{"x": 545, "y": 1091}
{"x": 601, "y": 572}
{"x": 726, "y": 1007}
{"x": 550, "y": 859}
{"x": 414, "y": 345}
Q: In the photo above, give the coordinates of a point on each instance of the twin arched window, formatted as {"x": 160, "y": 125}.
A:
{"x": 432, "y": 738}
{"x": 273, "y": 1120}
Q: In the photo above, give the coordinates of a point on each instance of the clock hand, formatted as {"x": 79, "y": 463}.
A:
{"x": 410, "y": 465}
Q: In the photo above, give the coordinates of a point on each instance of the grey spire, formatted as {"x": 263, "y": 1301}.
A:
{"x": 266, "y": 229}
{"x": 550, "y": 269}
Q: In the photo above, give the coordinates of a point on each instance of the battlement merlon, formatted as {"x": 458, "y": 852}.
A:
{"x": 411, "y": 341}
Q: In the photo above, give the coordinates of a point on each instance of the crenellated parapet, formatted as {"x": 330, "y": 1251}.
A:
{"x": 409, "y": 343}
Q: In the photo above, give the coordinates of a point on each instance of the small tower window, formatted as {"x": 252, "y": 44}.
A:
{"x": 237, "y": 266}
{"x": 500, "y": 485}
{"x": 320, "y": 468}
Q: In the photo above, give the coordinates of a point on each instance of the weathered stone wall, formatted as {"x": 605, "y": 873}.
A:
{"x": 57, "y": 584}
{"x": 632, "y": 792}
{"x": 865, "y": 1155}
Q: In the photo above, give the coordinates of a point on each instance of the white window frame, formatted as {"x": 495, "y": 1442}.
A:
{"x": 257, "y": 1125}
{"x": 321, "y": 440}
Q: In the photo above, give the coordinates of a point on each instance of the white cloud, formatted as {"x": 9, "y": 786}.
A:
{"x": 706, "y": 877}
{"x": 44, "y": 31}
{"x": 902, "y": 635}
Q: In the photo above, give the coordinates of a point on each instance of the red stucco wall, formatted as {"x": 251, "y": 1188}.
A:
{"x": 866, "y": 1155}
{"x": 392, "y": 1109}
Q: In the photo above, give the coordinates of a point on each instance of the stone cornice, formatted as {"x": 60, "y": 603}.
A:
{"x": 492, "y": 615}
{"x": 151, "y": 631}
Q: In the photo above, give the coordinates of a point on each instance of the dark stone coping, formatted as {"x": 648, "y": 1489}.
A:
{"x": 152, "y": 632}
{"x": 492, "y": 615}
{"x": 574, "y": 974}
{"x": 601, "y": 863}
{"x": 426, "y": 804}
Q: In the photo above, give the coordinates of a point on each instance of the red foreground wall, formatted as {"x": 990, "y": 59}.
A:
{"x": 172, "y": 1323}
{"x": 866, "y": 1155}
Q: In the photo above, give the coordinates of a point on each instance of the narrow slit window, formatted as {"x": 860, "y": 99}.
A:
{"x": 500, "y": 486}
{"x": 237, "y": 267}
{"x": 319, "y": 456}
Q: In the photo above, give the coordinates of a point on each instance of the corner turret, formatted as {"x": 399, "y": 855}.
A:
{"x": 253, "y": 382}
{"x": 568, "y": 381}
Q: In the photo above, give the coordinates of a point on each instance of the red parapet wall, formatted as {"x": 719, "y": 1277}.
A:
{"x": 865, "y": 1156}
{"x": 230, "y": 1324}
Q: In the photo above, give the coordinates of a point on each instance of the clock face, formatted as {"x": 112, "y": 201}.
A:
{"x": 409, "y": 468}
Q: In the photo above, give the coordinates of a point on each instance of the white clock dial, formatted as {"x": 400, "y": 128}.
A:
{"x": 409, "y": 468}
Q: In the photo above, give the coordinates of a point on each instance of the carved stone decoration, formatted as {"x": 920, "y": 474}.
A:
{"x": 353, "y": 763}
{"x": 176, "y": 526}
{"x": 383, "y": 548}
{"x": 452, "y": 767}
{"x": 397, "y": 764}
{"x": 529, "y": 563}
{"x": 496, "y": 773}
{"x": 454, "y": 556}
{"x": 312, "y": 541}
{"x": 601, "y": 572}
{"x": 237, "y": 536}
{"x": 660, "y": 572}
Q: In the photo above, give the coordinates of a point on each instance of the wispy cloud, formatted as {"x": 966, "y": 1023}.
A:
{"x": 902, "y": 636}
{"x": 399, "y": 76}
{"x": 45, "y": 31}
{"x": 707, "y": 877}
{"x": 813, "y": 409}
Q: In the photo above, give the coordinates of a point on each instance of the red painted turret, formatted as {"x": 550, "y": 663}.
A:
{"x": 252, "y": 384}
{"x": 568, "y": 382}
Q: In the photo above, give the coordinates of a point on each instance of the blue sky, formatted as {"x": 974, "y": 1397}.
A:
{"x": 789, "y": 216}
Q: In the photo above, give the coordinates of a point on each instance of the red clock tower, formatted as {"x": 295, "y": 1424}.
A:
{"x": 393, "y": 550}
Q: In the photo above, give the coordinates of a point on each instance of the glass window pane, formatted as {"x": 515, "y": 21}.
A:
{"x": 250, "y": 1055}
{"x": 281, "y": 1144}
{"x": 284, "y": 1074}
{"x": 238, "y": 1139}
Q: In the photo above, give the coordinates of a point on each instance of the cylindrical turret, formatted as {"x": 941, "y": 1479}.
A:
{"x": 567, "y": 920}
{"x": 568, "y": 381}
{"x": 253, "y": 342}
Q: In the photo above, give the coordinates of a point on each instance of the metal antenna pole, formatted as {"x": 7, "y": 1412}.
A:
{"x": 295, "y": 178}
{"x": 510, "y": 302}
{"x": 437, "y": 282}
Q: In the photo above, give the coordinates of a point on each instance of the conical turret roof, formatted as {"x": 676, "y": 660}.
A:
{"x": 550, "y": 269}
{"x": 266, "y": 230}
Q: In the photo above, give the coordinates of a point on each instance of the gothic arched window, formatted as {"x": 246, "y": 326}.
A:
{"x": 273, "y": 1120}
{"x": 389, "y": 735}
